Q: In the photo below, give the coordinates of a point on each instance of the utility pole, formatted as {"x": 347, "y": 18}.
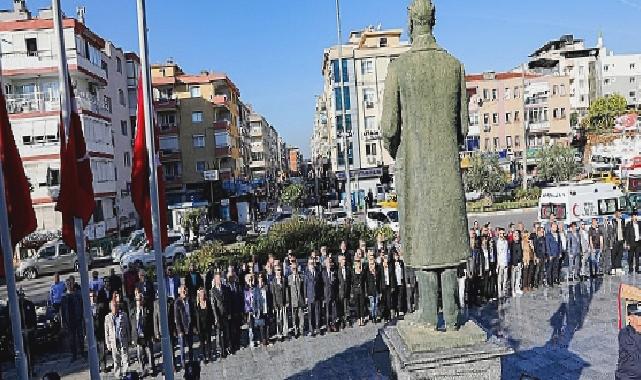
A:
{"x": 346, "y": 135}
{"x": 525, "y": 136}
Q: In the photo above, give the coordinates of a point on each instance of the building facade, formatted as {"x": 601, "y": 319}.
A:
{"x": 621, "y": 74}
{"x": 99, "y": 78}
{"x": 198, "y": 120}
{"x": 366, "y": 57}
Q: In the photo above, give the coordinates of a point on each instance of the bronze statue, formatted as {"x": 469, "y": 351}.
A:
{"x": 425, "y": 120}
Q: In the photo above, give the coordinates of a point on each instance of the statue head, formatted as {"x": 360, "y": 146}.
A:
{"x": 422, "y": 18}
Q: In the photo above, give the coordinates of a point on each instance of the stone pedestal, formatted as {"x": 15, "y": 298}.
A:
{"x": 419, "y": 352}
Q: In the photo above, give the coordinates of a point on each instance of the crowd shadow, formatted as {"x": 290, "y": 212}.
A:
{"x": 553, "y": 359}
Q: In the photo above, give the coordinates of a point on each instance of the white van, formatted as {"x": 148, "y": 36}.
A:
{"x": 378, "y": 217}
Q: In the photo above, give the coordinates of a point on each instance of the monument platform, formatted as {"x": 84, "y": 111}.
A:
{"x": 418, "y": 352}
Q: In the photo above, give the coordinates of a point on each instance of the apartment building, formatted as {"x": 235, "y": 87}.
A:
{"x": 265, "y": 156}
{"x": 244, "y": 128}
{"x": 568, "y": 56}
{"x": 621, "y": 74}
{"x": 98, "y": 75}
{"x": 498, "y": 111}
{"x": 198, "y": 120}
{"x": 295, "y": 161}
{"x": 366, "y": 57}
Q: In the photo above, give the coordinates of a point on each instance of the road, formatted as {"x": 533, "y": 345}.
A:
{"x": 37, "y": 290}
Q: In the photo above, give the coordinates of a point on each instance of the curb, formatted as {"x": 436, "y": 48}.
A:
{"x": 501, "y": 213}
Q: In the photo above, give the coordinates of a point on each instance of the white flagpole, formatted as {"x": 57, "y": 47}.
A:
{"x": 22, "y": 367}
{"x": 167, "y": 351}
{"x": 65, "y": 104}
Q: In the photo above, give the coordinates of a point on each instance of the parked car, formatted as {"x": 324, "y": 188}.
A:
{"x": 264, "y": 226}
{"x": 336, "y": 218}
{"x": 136, "y": 239}
{"x": 226, "y": 232}
{"x": 379, "y": 217}
{"x": 145, "y": 255}
{"x": 52, "y": 257}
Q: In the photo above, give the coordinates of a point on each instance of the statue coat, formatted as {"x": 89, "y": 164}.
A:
{"x": 425, "y": 120}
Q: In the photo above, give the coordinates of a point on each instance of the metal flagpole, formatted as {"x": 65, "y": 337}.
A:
{"x": 167, "y": 351}
{"x": 22, "y": 367}
{"x": 348, "y": 175}
{"x": 65, "y": 104}
{"x": 525, "y": 136}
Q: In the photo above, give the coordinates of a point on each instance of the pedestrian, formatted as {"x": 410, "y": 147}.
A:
{"x": 503, "y": 263}
{"x": 540, "y": 256}
{"x": 516, "y": 258}
{"x": 193, "y": 281}
{"x": 586, "y": 248}
{"x": 399, "y": 276}
{"x": 618, "y": 246}
{"x": 344, "y": 290}
{"x": 220, "y": 305}
{"x": 29, "y": 321}
{"x": 574, "y": 252}
{"x": 183, "y": 312}
{"x": 372, "y": 288}
{"x": 330, "y": 295}
{"x": 596, "y": 245}
{"x": 358, "y": 291}
{"x": 204, "y": 322}
{"x": 115, "y": 281}
{"x": 99, "y": 310}
{"x": 96, "y": 283}
{"x": 629, "y": 365}
{"x": 313, "y": 296}
{"x": 117, "y": 337}
{"x": 609, "y": 243}
{"x": 142, "y": 332}
{"x": 262, "y": 308}
{"x": 296, "y": 297}
{"x": 248, "y": 296}
{"x": 633, "y": 240}
{"x": 278, "y": 289}
{"x": 528, "y": 261}
{"x": 553, "y": 250}
{"x": 56, "y": 292}
{"x": 564, "y": 250}
{"x": 145, "y": 287}
{"x": 71, "y": 317}
{"x": 130, "y": 279}
{"x": 236, "y": 312}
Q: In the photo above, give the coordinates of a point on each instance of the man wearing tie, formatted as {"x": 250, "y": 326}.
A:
{"x": 619, "y": 240}
{"x": 633, "y": 239}
{"x": 330, "y": 283}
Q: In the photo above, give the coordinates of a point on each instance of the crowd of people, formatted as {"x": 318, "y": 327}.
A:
{"x": 256, "y": 304}
{"x": 250, "y": 304}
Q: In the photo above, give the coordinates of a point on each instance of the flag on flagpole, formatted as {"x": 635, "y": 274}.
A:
{"x": 22, "y": 218}
{"x": 140, "y": 177}
{"x": 76, "y": 198}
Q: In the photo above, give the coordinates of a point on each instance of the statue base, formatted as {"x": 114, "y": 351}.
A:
{"x": 419, "y": 352}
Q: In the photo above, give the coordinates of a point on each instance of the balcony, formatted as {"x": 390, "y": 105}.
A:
{"x": 170, "y": 155}
{"x": 256, "y": 132}
{"x": 173, "y": 180}
{"x": 44, "y": 102}
{"x": 474, "y": 130}
{"x": 165, "y": 104}
{"x": 372, "y": 135}
{"x": 223, "y": 151}
{"x": 168, "y": 129}
{"x": 220, "y": 100}
{"x": 540, "y": 127}
{"x": 221, "y": 125}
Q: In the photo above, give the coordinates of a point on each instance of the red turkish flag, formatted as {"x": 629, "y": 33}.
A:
{"x": 76, "y": 198}
{"x": 140, "y": 177}
{"x": 22, "y": 218}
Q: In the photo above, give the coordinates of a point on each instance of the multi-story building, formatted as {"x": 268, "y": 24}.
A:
{"x": 621, "y": 74}
{"x": 295, "y": 161}
{"x": 568, "y": 56}
{"x": 198, "y": 121}
{"x": 266, "y": 156}
{"x": 244, "y": 128}
{"x": 497, "y": 111}
{"x": 366, "y": 57}
{"x": 99, "y": 77}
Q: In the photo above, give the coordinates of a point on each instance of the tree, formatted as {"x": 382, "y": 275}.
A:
{"x": 557, "y": 163}
{"x": 603, "y": 113}
{"x": 292, "y": 195}
{"x": 485, "y": 174}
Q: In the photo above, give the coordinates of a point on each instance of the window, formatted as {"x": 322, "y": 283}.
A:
{"x": 508, "y": 141}
{"x": 581, "y": 83}
{"x": 486, "y": 118}
{"x": 633, "y": 94}
{"x": 195, "y": 91}
{"x": 606, "y": 81}
{"x": 474, "y": 119}
{"x": 370, "y": 149}
{"x": 166, "y": 120}
{"x": 555, "y": 89}
{"x": 126, "y": 159}
{"x": 486, "y": 145}
{"x": 517, "y": 92}
{"x": 105, "y": 67}
{"x": 517, "y": 141}
{"x": 123, "y": 128}
{"x": 118, "y": 64}
{"x": 581, "y": 69}
{"x": 222, "y": 140}
{"x": 606, "y": 67}
{"x": 632, "y": 66}
{"x": 633, "y": 79}
{"x": 495, "y": 94}
{"x": 32, "y": 47}
{"x": 369, "y": 97}
{"x": 497, "y": 143}
{"x": 562, "y": 90}
{"x": 197, "y": 117}
{"x": 562, "y": 115}
{"x": 486, "y": 94}
{"x": 508, "y": 118}
{"x": 367, "y": 66}
{"x": 370, "y": 123}
{"x": 383, "y": 42}
{"x": 507, "y": 94}
{"x": 340, "y": 100}
{"x": 348, "y": 123}
{"x": 198, "y": 141}
{"x": 495, "y": 118}
{"x": 107, "y": 103}
{"x": 121, "y": 97}
{"x": 53, "y": 177}
{"x": 168, "y": 143}
{"x": 337, "y": 74}
{"x": 200, "y": 166}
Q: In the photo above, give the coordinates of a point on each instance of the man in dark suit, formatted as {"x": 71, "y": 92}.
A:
{"x": 99, "y": 310}
{"x": 313, "y": 286}
{"x": 237, "y": 302}
{"x": 220, "y": 305}
{"x": 344, "y": 288}
{"x": 142, "y": 332}
{"x": 115, "y": 281}
{"x": 330, "y": 292}
{"x": 183, "y": 310}
{"x": 633, "y": 239}
{"x": 193, "y": 281}
{"x": 618, "y": 239}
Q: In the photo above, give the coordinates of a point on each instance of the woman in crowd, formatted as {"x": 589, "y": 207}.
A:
{"x": 204, "y": 323}
{"x": 358, "y": 291}
{"x": 528, "y": 261}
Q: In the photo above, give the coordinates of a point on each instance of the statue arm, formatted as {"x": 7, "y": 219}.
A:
{"x": 464, "y": 104}
{"x": 391, "y": 120}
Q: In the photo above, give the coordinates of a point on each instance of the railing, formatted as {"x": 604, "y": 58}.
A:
{"x": 45, "y": 102}
{"x": 539, "y": 127}
{"x": 221, "y": 125}
{"x": 223, "y": 151}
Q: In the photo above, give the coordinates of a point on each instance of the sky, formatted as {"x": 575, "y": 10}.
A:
{"x": 273, "y": 49}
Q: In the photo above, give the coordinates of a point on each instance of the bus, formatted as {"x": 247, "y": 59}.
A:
{"x": 582, "y": 201}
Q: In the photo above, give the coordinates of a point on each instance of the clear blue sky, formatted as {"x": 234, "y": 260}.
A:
{"x": 272, "y": 49}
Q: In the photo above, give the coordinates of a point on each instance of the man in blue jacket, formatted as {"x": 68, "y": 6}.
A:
{"x": 629, "y": 366}
{"x": 553, "y": 249}
{"x": 313, "y": 285}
